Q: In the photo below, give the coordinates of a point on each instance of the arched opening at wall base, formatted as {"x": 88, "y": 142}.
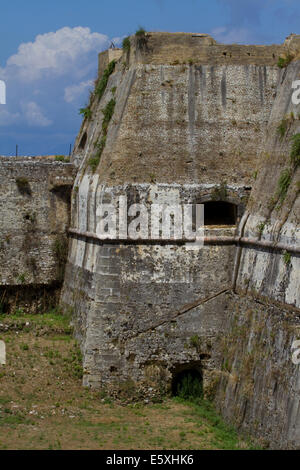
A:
{"x": 187, "y": 381}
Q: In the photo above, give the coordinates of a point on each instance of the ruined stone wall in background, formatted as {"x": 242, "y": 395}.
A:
{"x": 35, "y": 213}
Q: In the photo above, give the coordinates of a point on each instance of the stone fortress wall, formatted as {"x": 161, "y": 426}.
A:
{"x": 35, "y": 209}
{"x": 193, "y": 121}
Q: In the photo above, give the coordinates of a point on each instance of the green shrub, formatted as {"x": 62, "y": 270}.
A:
{"x": 101, "y": 86}
{"x": 141, "y": 37}
{"x": 261, "y": 227}
{"x": 140, "y": 32}
{"x": 287, "y": 257}
{"x": 195, "y": 342}
{"x": 295, "y": 151}
{"x": 94, "y": 162}
{"x": 126, "y": 44}
{"x": 284, "y": 183}
{"x": 22, "y": 278}
{"x": 108, "y": 112}
{"x": 284, "y": 61}
{"x": 87, "y": 112}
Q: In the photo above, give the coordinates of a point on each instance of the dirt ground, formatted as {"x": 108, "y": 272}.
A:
{"x": 44, "y": 406}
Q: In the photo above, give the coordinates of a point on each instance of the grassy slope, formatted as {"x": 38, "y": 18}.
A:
{"x": 44, "y": 406}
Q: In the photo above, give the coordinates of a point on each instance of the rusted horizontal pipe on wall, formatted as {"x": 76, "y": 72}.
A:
{"x": 271, "y": 245}
{"x": 208, "y": 240}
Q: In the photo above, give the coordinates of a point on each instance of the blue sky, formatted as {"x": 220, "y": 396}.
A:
{"x": 48, "y": 53}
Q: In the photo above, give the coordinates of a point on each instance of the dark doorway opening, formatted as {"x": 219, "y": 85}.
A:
{"x": 4, "y": 307}
{"x": 187, "y": 384}
{"x": 83, "y": 141}
{"x": 220, "y": 213}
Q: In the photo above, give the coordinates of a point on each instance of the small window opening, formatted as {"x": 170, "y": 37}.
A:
{"x": 220, "y": 213}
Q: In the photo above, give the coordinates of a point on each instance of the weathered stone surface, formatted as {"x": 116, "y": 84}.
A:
{"x": 2, "y": 353}
{"x": 187, "y": 118}
{"x": 194, "y": 122}
{"x": 34, "y": 207}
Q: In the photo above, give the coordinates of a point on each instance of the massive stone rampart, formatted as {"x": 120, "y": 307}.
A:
{"x": 176, "y": 119}
{"x": 259, "y": 383}
{"x": 193, "y": 122}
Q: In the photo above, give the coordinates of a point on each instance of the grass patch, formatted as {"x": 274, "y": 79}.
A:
{"x": 43, "y": 404}
{"x": 53, "y": 320}
{"x": 223, "y": 436}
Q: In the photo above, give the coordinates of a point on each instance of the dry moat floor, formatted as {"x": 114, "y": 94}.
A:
{"x": 44, "y": 406}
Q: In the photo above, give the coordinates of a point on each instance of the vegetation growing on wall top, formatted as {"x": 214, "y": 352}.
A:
{"x": 62, "y": 158}
{"x": 126, "y": 44}
{"x": 284, "y": 61}
{"x": 141, "y": 37}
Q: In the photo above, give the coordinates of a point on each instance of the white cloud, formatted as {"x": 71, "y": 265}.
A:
{"x": 55, "y": 53}
{"x": 230, "y": 36}
{"x": 34, "y": 115}
{"x": 73, "y": 92}
{"x": 7, "y": 118}
{"x": 45, "y": 80}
